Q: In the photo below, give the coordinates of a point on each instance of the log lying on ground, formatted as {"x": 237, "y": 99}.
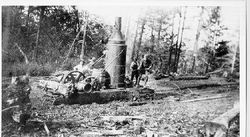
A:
{"x": 188, "y": 77}
{"x": 220, "y": 125}
{"x": 203, "y": 99}
{"x": 160, "y": 76}
{"x": 105, "y": 96}
{"x": 202, "y": 85}
{"x": 185, "y": 84}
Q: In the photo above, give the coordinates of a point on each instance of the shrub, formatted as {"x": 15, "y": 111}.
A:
{"x": 69, "y": 65}
{"x": 35, "y": 69}
{"x": 32, "y": 68}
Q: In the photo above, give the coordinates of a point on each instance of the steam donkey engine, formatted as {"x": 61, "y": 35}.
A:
{"x": 101, "y": 85}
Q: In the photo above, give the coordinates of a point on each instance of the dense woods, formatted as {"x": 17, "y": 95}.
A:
{"x": 41, "y": 39}
{"x": 49, "y": 35}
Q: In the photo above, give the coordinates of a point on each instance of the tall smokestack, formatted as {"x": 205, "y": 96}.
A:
{"x": 116, "y": 56}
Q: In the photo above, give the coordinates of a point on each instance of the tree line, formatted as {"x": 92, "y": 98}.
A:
{"x": 45, "y": 33}
{"x": 161, "y": 33}
{"x": 58, "y": 35}
{"x": 50, "y": 34}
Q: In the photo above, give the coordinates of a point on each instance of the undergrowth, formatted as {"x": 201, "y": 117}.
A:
{"x": 45, "y": 69}
{"x": 33, "y": 69}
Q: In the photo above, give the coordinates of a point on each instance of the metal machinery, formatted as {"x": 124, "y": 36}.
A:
{"x": 76, "y": 87}
{"x": 116, "y": 56}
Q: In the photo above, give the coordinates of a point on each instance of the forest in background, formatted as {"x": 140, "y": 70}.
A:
{"x": 43, "y": 39}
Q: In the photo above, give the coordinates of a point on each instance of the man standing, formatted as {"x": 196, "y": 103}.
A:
{"x": 145, "y": 68}
{"x": 134, "y": 71}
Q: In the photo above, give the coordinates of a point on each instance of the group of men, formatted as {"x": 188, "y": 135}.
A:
{"x": 140, "y": 69}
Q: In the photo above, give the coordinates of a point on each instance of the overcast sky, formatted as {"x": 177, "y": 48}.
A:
{"x": 230, "y": 17}
{"x": 230, "y": 14}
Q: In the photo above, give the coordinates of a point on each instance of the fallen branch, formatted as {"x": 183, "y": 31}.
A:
{"x": 191, "y": 92}
{"x": 46, "y": 128}
{"x": 177, "y": 86}
{"x": 105, "y": 133}
{"x": 122, "y": 118}
{"x": 8, "y": 108}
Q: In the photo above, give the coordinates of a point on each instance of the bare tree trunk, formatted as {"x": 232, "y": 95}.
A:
{"x": 234, "y": 58}
{"x": 207, "y": 66}
{"x": 38, "y": 33}
{"x": 6, "y": 27}
{"x": 83, "y": 43}
{"x": 71, "y": 47}
{"x": 77, "y": 27}
{"x": 159, "y": 34}
{"x": 27, "y": 26}
{"x": 27, "y": 23}
{"x": 84, "y": 37}
{"x": 181, "y": 36}
{"x": 140, "y": 37}
{"x": 185, "y": 67}
{"x": 134, "y": 42}
{"x": 169, "y": 59}
{"x": 177, "y": 44}
{"x": 170, "y": 47}
{"x": 197, "y": 39}
{"x": 152, "y": 40}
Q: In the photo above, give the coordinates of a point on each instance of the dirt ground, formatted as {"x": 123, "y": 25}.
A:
{"x": 168, "y": 117}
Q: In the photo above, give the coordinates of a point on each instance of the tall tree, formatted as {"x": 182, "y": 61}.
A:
{"x": 6, "y": 18}
{"x": 41, "y": 18}
{"x": 134, "y": 42}
{"x": 143, "y": 23}
{"x": 152, "y": 40}
{"x": 197, "y": 36}
{"x": 214, "y": 30}
{"x": 84, "y": 31}
{"x": 181, "y": 36}
{"x": 177, "y": 42}
{"x": 172, "y": 36}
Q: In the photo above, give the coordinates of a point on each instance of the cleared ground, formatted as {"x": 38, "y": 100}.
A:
{"x": 170, "y": 116}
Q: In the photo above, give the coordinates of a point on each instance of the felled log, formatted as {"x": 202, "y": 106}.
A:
{"x": 189, "y": 77}
{"x": 202, "y": 99}
{"x": 137, "y": 103}
{"x": 219, "y": 126}
{"x": 160, "y": 76}
{"x": 185, "y": 84}
{"x": 211, "y": 84}
{"x": 105, "y": 96}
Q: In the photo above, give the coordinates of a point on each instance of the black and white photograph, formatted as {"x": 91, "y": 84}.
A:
{"x": 142, "y": 69}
